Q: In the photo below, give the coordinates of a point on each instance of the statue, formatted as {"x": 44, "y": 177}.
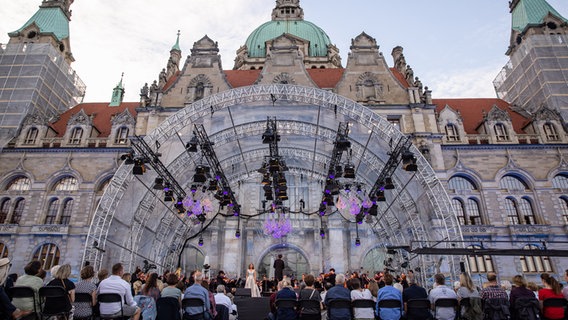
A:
{"x": 163, "y": 78}
{"x": 409, "y": 75}
{"x": 144, "y": 90}
{"x": 418, "y": 84}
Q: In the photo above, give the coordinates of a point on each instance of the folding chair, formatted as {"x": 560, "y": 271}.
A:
{"x": 103, "y": 298}
{"x": 23, "y": 293}
{"x": 53, "y": 292}
{"x": 193, "y": 302}
{"x": 85, "y": 299}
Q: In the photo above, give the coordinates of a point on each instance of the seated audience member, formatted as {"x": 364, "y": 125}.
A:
{"x": 212, "y": 305}
{"x": 468, "y": 290}
{"x": 101, "y": 275}
{"x": 359, "y": 293}
{"x": 29, "y": 279}
{"x": 388, "y": 292}
{"x": 492, "y": 290}
{"x": 310, "y": 293}
{"x": 196, "y": 290}
{"x": 441, "y": 291}
{"x": 338, "y": 292}
{"x": 86, "y": 285}
{"x": 221, "y": 298}
{"x": 115, "y": 284}
{"x": 552, "y": 289}
{"x": 565, "y": 289}
{"x": 172, "y": 290}
{"x": 7, "y": 309}
{"x": 286, "y": 292}
{"x": 53, "y": 305}
{"x": 150, "y": 288}
{"x": 414, "y": 291}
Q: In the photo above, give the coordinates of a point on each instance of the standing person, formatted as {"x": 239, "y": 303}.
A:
{"x": 552, "y": 289}
{"x": 441, "y": 291}
{"x": 251, "y": 282}
{"x": 279, "y": 268}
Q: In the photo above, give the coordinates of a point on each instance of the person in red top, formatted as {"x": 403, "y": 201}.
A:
{"x": 552, "y": 289}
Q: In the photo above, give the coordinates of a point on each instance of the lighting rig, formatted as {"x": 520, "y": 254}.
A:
{"x": 274, "y": 184}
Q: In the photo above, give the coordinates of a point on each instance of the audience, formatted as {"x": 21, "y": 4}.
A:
{"x": 388, "y": 292}
{"x": 286, "y": 293}
{"x": 552, "y": 289}
{"x": 338, "y": 292}
{"x": 492, "y": 290}
{"x": 7, "y": 309}
{"x": 359, "y": 293}
{"x": 115, "y": 284}
{"x": 196, "y": 290}
{"x": 53, "y": 305}
{"x": 414, "y": 291}
{"x": 565, "y": 289}
{"x": 441, "y": 291}
{"x": 150, "y": 288}
{"x": 172, "y": 290}
{"x": 86, "y": 285}
{"x": 519, "y": 291}
{"x": 468, "y": 290}
{"x": 29, "y": 279}
{"x": 310, "y": 293}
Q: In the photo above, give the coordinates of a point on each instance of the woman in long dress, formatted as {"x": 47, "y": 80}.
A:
{"x": 251, "y": 281}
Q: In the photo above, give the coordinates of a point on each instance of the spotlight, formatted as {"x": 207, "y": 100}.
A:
{"x": 179, "y": 201}
{"x": 359, "y": 217}
{"x": 338, "y": 170}
{"x": 409, "y": 161}
{"x": 343, "y": 143}
{"x": 332, "y": 187}
{"x": 200, "y": 242}
{"x": 167, "y": 186}
{"x": 139, "y": 167}
{"x": 193, "y": 188}
{"x": 238, "y": 233}
{"x": 266, "y": 179}
{"x": 168, "y": 196}
{"x": 282, "y": 180}
{"x": 191, "y": 146}
{"x": 388, "y": 184}
{"x": 359, "y": 190}
{"x": 201, "y": 217}
{"x": 201, "y": 173}
{"x": 158, "y": 184}
{"x": 373, "y": 210}
{"x": 268, "y": 136}
{"x": 381, "y": 196}
{"x": 322, "y": 233}
{"x": 322, "y": 209}
{"x": 347, "y": 188}
{"x": 357, "y": 242}
{"x": 128, "y": 157}
{"x": 269, "y": 196}
{"x": 212, "y": 185}
{"x": 349, "y": 171}
{"x": 274, "y": 165}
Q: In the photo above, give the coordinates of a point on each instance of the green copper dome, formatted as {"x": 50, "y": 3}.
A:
{"x": 318, "y": 39}
{"x": 532, "y": 13}
{"x": 48, "y": 20}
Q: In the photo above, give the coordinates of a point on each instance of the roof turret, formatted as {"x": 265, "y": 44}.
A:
{"x": 528, "y": 13}
{"x": 117, "y": 94}
{"x": 176, "y": 45}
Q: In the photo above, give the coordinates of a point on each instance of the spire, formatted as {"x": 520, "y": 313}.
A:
{"x": 527, "y": 13}
{"x": 288, "y": 10}
{"x": 176, "y": 46}
{"x": 117, "y": 94}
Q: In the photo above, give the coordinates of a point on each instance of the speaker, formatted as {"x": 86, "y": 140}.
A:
{"x": 462, "y": 266}
{"x": 242, "y": 292}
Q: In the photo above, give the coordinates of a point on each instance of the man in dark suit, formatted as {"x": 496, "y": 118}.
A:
{"x": 279, "y": 268}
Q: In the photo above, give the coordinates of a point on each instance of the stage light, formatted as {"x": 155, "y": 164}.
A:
{"x": 357, "y": 242}
{"x": 388, "y": 184}
{"x": 343, "y": 143}
{"x": 274, "y": 165}
{"x": 373, "y": 210}
{"x": 193, "y": 188}
{"x": 139, "y": 167}
{"x": 266, "y": 179}
{"x": 168, "y": 196}
{"x": 322, "y": 233}
{"x": 167, "y": 186}
{"x": 201, "y": 217}
{"x": 191, "y": 146}
{"x": 238, "y": 233}
{"x": 201, "y": 173}
{"x": 409, "y": 161}
{"x": 200, "y": 242}
{"x": 268, "y": 136}
{"x": 212, "y": 185}
{"x": 128, "y": 157}
{"x": 381, "y": 196}
{"x": 349, "y": 171}
{"x": 158, "y": 184}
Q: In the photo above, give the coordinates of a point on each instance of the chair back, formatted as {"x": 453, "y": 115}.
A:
{"x": 446, "y": 303}
{"x": 191, "y": 303}
{"x": 496, "y": 308}
{"x": 222, "y": 312}
{"x": 471, "y": 308}
{"x": 103, "y": 298}
{"x": 168, "y": 308}
{"x": 85, "y": 299}
{"x": 23, "y": 292}
{"x": 555, "y": 303}
{"x": 52, "y": 292}
{"x": 335, "y": 304}
{"x": 418, "y": 309}
{"x": 309, "y": 304}
{"x": 389, "y": 303}
{"x": 286, "y": 303}
{"x": 526, "y": 308}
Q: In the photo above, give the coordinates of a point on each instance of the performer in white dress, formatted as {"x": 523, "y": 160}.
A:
{"x": 251, "y": 281}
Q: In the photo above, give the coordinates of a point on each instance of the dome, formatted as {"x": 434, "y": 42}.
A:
{"x": 318, "y": 39}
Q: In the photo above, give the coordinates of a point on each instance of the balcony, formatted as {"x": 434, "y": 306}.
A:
{"x": 50, "y": 229}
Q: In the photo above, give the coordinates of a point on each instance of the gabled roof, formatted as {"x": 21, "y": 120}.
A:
{"x": 326, "y": 78}
{"x": 532, "y": 13}
{"x": 472, "y": 111}
{"x": 100, "y": 111}
{"x": 242, "y": 78}
{"x": 400, "y": 77}
{"x": 48, "y": 20}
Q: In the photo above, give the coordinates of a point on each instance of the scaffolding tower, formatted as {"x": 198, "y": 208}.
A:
{"x": 34, "y": 79}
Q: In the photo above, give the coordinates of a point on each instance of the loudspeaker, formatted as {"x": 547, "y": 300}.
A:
{"x": 462, "y": 266}
{"x": 242, "y": 292}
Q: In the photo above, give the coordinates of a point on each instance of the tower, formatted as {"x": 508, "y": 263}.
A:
{"x": 40, "y": 80}
{"x": 537, "y": 73}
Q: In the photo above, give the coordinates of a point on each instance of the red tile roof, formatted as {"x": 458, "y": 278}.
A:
{"x": 472, "y": 111}
{"x": 242, "y": 78}
{"x": 171, "y": 80}
{"x": 102, "y": 113}
{"x": 400, "y": 77}
{"x": 326, "y": 78}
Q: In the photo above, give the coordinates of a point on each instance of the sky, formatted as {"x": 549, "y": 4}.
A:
{"x": 456, "y": 47}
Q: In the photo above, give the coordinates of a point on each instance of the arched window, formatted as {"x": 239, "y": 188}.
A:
{"x": 48, "y": 254}
{"x": 121, "y": 136}
{"x": 479, "y": 263}
{"x": 18, "y": 211}
{"x": 550, "y": 132}
{"x": 526, "y": 211}
{"x": 31, "y": 136}
{"x": 4, "y": 210}
{"x": 67, "y": 184}
{"x": 512, "y": 211}
{"x": 460, "y": 210}
{"x": 501, "y": 132}
{"x": 473, "y": 212}
{"x": 452, "y": 133}
{"x": 3, "y": 250}
{"x": 560, "y": 182}
{"x": 199, "y": 91}
{"x": 66, "y": 213}
{"x": 535, "y": 264}
{"x": 564, "y": 208}
{"x": 513, "y": 183}
{"x": 20, "y": 184}
{"x": 76, "y": 135}
{"x": 459, "y": 183}
{"x": 52, "y": 211}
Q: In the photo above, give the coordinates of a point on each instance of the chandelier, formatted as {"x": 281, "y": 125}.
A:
{"x": 277, "y": 224}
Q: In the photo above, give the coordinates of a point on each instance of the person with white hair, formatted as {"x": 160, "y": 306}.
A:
{"x": 338, "y": 292}
{"x": 7, "y": 309}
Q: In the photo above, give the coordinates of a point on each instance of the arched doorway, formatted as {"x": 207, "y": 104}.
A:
{"x": 133, "y": 223}
{"x": 192, "y": 259}
{"x": 295, "y": 261}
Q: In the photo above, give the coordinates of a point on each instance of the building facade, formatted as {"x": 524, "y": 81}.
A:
{"x": 500, "y": 162}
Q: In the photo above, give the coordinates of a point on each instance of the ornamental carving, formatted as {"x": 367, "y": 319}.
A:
{"x": 50, "y": 228}
{"x": 528, "y": 229}
{"x": 8, "y": 228}
{"x": 546, "y": 114}
{"x": 199, "y": 88}
{"x": 80, "y": 118}
{"x": 34, "y": 119}
{"x": 284, "y": 78}
{"x": 123, "y": 118}
{"x": 497, "y": 114}
{"x": 369, "y": 88}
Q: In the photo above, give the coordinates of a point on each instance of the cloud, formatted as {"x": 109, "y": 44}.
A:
{"x": 464, "y": 83}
